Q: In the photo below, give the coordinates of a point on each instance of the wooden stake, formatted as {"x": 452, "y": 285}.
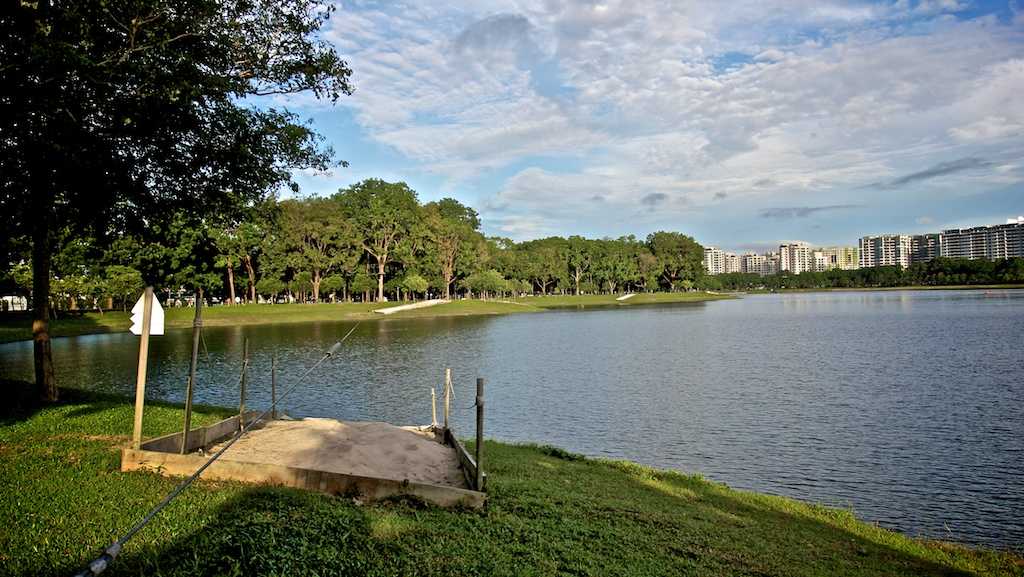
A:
{"x": 245, "y": 376}
{"x": 197, "y": 326}
{"x": 447, "y": 395}
{"x": 433, "y": 407}
{"x": 140, "y": 378}
{"x": 273, "y": 386}
{"x": 479, "y": 434}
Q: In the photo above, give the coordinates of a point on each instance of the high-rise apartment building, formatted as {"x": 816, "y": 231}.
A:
{"x": 714, "y": 260}
{"x": 925, "y": 247}
{"x": 985, "y": 242}
{"x": 732, "y": 262}
{"x": 796, "y": 257}
{"x": 885, "y": 250}
{"x": 835, "y": 257}
{"x": 753, "y": 263}
{"x": 772, "y": 263}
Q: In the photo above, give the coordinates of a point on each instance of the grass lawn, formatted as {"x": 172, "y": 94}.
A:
{"x": 18, "y": 327}
{"x": 63, "y": 499}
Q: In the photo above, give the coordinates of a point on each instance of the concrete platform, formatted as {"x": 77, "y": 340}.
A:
{"x": 364, "y": 460}
{"x": 367, "y": 449}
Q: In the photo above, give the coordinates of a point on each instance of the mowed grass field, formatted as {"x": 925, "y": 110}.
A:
{"x": 63, "y": 499}
{"x": 18, "y": 327}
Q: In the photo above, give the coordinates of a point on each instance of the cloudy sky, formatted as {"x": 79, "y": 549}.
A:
{"x": 742, "y": 123}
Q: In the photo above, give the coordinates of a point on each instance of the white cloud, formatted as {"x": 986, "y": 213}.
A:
{"x": 828, "y": 96}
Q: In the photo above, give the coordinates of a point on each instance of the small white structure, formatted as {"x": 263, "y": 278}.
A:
{"x": 626, "y": 297}
{"x": 411, "y": 306}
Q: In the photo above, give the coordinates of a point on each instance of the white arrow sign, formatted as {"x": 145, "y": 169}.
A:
{"x": 156, "y": 320}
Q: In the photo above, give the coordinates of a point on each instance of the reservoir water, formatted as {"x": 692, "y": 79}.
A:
{"x": 906, "y": 406}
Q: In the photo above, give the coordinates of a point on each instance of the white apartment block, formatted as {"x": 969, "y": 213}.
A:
{"x": 836, "y": 257}
{"x": 985, "y": 242}
{"x": 733, "y": 263}
{"x": 796, "y": 257}
{"x": 885, "y": 250}
{"x": 753, "y": 263}
{"x": 714, "y": 260}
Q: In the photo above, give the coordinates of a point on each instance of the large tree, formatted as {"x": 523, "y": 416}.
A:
{"x": 453, "y": 229}
{"x": 579, "y": 255}
{"x": 384, "y": 214}
{"x": 679, "y": 257}
{"x": 317, "y": 236}
{"x": 112, "y": 112}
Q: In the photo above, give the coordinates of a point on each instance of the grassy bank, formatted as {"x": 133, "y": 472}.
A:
{"x": 62, "y": 499}
{"x": 18, "y": 327}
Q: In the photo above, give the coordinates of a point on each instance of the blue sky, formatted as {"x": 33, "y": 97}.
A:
{"x": 743, "y": 123}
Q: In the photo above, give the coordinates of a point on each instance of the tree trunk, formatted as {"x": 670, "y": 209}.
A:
{"x": 316, "y": 286}
{"x": 231, "y": 284}
{"x": 247, "y": 261}
{"x": 46, "y": 381}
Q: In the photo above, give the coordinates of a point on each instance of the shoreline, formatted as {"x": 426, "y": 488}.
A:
{"x": 564, "y": 511}
{"x": 965, "y": 287}
{"x": 19, "y": 329}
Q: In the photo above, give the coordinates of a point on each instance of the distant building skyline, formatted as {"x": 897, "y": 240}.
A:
{"x": 977, "y": 242}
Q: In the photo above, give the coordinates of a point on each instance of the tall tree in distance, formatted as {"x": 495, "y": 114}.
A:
{"x": 452, "y": 227}
{"x": 317, "y": 234}
{"x": 112, "y": 112}
{"x": 679, "y": 257}
{"x": 384, "y": 214}
{"x": 579, "y": 254}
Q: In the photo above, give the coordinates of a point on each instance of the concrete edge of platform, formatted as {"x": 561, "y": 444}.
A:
{"x": 161, "y": 456}
{"x": 340, "y": 484}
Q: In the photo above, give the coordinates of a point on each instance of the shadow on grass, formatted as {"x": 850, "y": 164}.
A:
{"x": 21, "y": 401}
{"x": 270, "y": 531}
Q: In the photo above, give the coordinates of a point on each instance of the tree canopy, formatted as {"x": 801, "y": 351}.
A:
{"x": 115, "y": 116}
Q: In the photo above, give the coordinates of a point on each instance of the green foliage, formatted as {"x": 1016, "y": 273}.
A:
{"x": 362, "y": 282}
{"x": 384, "y": 215}
{"x": 486, "y": 282}
{"x": 124, "y": 283}
{"x": 937, "y": 272}
{"x": 679, "y": 257}
{"x": 415, "y": 284}
{"x": 270, "y": 287}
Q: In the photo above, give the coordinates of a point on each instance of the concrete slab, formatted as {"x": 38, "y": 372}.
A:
{"x": 366, "y": 461}
{"x": 367, "y": 449}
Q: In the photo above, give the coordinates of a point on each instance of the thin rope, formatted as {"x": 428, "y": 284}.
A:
{"x": 101, "y": 563}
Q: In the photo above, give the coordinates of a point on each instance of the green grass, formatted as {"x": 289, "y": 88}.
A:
{"x": 63, "y": 499}
{"x": 19, "y": 327}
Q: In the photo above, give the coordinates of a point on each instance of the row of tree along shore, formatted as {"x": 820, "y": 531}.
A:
{"x": 937, "y": 272}
{"x": 371, "y": 241}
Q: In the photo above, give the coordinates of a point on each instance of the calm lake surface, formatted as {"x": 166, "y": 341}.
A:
{"x": 907, "y": 407}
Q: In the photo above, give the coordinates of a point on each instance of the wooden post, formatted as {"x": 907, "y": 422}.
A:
{"x": 273, "y": 386}
{"x": 197, "y": 327}
{"x": 447, "y": 395}
{"x": 245, "y": 376}
{"x": 479, "y": 434}
{"x": 140, "y": 378}
{"x": 433, "y": 407}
